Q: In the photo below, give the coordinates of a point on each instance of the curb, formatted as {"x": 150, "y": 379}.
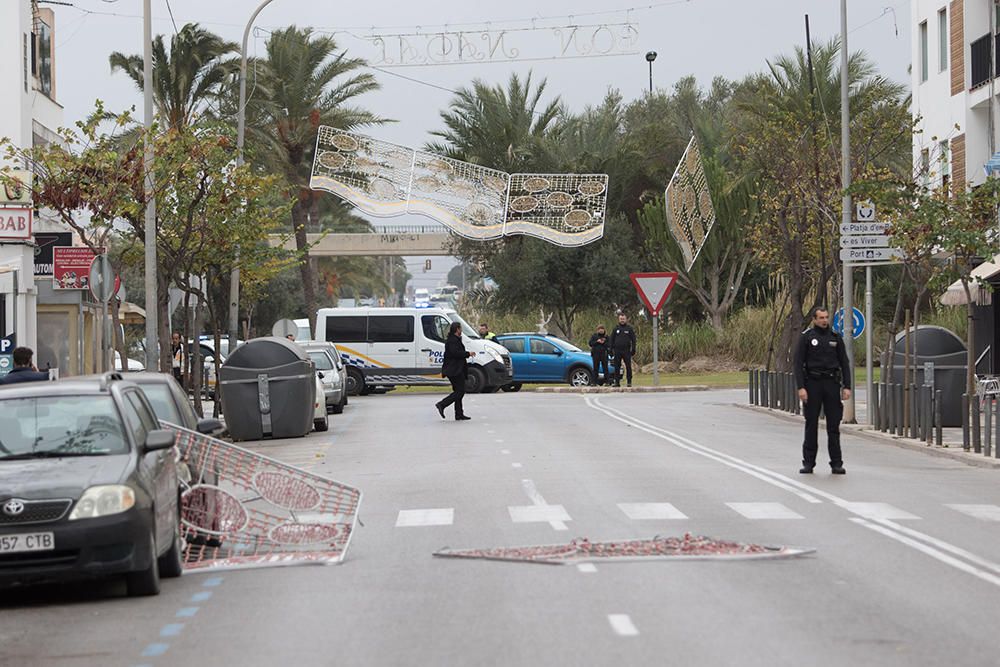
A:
{"x": 621, "y": 390}
{"x": 861, "y": 430}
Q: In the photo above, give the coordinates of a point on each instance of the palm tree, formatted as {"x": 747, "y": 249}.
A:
{"x": 501, "y": 128}
{"x": 187, "y": 79}
{"x": 305, "y": 83}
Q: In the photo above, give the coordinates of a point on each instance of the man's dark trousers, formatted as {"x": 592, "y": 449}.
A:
{"x": 822, "y": 393}
{"x": 601, "y": 365}
{"x": 457, "y": 392}
{"x": 620, "y": 359}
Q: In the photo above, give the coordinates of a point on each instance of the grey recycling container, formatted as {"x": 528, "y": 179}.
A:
{"x": 268, "y": 390}
{"x": 947, "y": 352}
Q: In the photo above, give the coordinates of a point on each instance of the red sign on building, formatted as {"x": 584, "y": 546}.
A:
{"x": 71, "y": 267}
{"x": 15, "y": 223}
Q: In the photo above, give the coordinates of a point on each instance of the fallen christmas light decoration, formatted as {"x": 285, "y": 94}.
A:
{"x": 581, "y": 550}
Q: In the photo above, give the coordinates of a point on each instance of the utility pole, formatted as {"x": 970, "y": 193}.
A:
{"x": 650, "y": 57}
{"x": 845, "y": 157}
{"x": 152, "y": 300}
{"x": 824, "y": 301}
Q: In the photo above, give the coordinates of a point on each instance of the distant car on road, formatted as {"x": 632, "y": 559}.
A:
{"x": 541, "y": 358}
{"x": 330, "y": 368}
{"x": 88, "y": 485}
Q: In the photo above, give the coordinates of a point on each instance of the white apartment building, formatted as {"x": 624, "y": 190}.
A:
{"x": 954, "y": 53}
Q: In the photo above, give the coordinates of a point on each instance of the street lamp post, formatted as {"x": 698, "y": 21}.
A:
{"x": 650, "y": 57}
{"x": 234, "y": 283}
{"x": 152, "y": 301}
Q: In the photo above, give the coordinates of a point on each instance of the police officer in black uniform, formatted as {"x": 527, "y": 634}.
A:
{"x": 823, "y": 377}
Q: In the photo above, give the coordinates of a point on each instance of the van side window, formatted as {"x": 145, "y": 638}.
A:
{"x": 390, "y": 329}
{"x": 435, "y": 327}
{"x": 513, "y": 345}
{"x": 352, "y": 329}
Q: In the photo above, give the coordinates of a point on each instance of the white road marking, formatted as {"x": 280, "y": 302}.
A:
{"x": 515, "y": 465}
{"x": 539, "y": 510}
{"x": 492, "y": 432}
{"x": 907, "y": 536}
{"x": 622, "y": 625}
{"x": 878, "y": 511}
{"x": 505, "y": 451}
{"x": 641, "y": 511}
{"x": 429, "y": 517}
{"x": 586, "y": 568}
{"x": 765, "y": 511}
{"x": 983, "y": 512}
{"x": 499, "y": 441}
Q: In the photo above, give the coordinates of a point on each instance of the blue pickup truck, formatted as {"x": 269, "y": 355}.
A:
{"x": 542, "y": 358}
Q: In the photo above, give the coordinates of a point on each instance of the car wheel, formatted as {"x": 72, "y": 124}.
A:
{"x": 512, "y": 387}
{"x": 322, "y": 424}
{"x": 145, "y": 582}
{"x": 171, "y": 564}
{"x": 339, "y": 407}
{"x": 581, "y": 377}
{"x": 356, "y": 382}
{"x": 475, "y": 381}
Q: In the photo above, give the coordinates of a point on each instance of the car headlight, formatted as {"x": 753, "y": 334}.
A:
{"x": 103, "y": 501}
{"x": 497, "y": 357}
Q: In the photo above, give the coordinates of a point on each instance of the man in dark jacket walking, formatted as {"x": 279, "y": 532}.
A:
{"x": 455, "y": 368}
{"x": 823, "y": 378}
{"x": 599, "y": 354}
{"x": 24, "y": 370}
{"x": 622, "y": 344}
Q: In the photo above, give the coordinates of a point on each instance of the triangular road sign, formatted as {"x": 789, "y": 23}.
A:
{"x": 654, "y": 288}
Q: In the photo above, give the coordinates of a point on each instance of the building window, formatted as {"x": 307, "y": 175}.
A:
{"x": 944, "y": 161}
{"x": 43, "y": 57}
{"x": 923, "y": 52}
{"x": 925, "y": 166}
{"x": 942, "y": 39}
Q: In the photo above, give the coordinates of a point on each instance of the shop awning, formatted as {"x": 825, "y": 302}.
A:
{"x": 129, "y": 313}
{"x": 982, "y": 295}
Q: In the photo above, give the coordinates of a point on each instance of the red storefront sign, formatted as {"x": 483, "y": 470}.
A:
{"x": 15, "y": 223}
{"x": 71, "y": 267}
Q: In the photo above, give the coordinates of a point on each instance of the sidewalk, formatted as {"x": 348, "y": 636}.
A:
{"x": 951, "y": 437}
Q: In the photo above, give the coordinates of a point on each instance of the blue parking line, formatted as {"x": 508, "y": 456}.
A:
{"x": 201, "y": 597}
{"x": 187, "y": 612}
{"x": 214, "y": 581}
{"x": 171, "y": 629}
{"x": 155, "y": 650}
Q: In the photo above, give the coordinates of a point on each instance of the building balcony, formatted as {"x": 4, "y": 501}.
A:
{"x": 982, "y": 72}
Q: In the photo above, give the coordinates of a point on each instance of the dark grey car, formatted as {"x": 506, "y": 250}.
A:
{"x": 88, "y": 485}
{"x": 171, "y": 404}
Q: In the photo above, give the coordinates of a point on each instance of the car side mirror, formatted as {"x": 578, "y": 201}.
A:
{"x": 320, "y": 375}
{"x": 559, "y": 352}
{"x": 159, "y": 439}
{"x": 209, "y": 426}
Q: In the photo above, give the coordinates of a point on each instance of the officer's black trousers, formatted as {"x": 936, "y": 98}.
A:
{"x": 601, "y": 366}
{"x": 822, "y": 393}
{"x": 456, "y": 395}
{"x": 625, "y": 359}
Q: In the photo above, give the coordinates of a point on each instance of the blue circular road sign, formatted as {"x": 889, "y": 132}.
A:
{"x": 858, "y": 322}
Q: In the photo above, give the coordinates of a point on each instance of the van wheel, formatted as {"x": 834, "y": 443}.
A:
{"x": 581, "y": 377}
{"x": 356, "y": 382}
{"x": 475, "y": 381}
{"x": 512, "y": 387}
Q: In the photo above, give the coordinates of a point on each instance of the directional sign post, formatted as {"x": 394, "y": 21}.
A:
{"x": 103, "y": 285}
{"x": 653, "y": 289}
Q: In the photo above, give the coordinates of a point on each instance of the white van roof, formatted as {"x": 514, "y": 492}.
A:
{"x": 375, "y": 310}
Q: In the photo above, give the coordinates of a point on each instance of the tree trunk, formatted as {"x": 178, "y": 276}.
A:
{"x": 196, "y": 363}
{"x": 300, "y": 219}
{"x": 118, "y": 339}
{"x": 163, "y": 319}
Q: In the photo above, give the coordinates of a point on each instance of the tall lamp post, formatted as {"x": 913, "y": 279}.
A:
{"x": 152, "y": 301}
{"x": 650, "y": 57}
{"x": 234, "y": 283}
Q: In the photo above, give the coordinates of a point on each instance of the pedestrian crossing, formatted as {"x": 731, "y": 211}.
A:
{"x": 661, "y": 511}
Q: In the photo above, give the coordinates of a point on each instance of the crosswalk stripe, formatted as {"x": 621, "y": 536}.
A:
{"x": 764, "y": 511}
{"x": 982, "y": 512}
{"x": 641, "y": 511}
{"x": 878, "y": 511}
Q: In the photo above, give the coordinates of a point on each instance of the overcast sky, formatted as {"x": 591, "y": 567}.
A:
{"x": 704, "y": 38}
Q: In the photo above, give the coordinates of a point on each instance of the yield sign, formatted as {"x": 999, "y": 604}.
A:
{"x": 654, "y": 288}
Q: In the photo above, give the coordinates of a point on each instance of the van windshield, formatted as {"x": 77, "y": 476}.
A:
{"x": 467, "y": 330}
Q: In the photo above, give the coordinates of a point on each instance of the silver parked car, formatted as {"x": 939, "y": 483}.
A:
{"x": 331, "y": 372}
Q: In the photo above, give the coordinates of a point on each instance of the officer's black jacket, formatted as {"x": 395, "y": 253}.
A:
{"x": 821, "y": 349}
{"x": 456, "y": 359}
{"x": 598, "y": 348}
{"x": 622, "y": 339}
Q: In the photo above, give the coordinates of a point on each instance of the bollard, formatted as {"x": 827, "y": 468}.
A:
{"x": 939, "y": 434}
{"x": 899, "y": 409}
{"x": 929, "y": 416}
{"x": 874, "y": 408}
{"x": 750, "y": 386}
{"x": 793, "y": 397}
{"x": 763, "y": 389}
{"x": 977, "y": 437}
{"x": 884, "y": 410}
{"x": 890, "y": 409}
{"x": 965, "y": 422}
{"x": 913, "y": 411}
{"x": 988, "y": 434}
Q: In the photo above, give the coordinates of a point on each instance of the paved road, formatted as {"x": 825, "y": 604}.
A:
{"x": 905, "y": 573}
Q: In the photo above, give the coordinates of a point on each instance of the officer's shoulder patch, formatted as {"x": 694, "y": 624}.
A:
{"x": 815, "y": 341}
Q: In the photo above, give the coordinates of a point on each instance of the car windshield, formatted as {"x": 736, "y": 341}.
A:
{"x": 467, "y": 330}
{"x": 163, "y": 403}
{"x": 566, "y": 345}
{"x": 321, "y": 360}
{"x": 60, "y": 426}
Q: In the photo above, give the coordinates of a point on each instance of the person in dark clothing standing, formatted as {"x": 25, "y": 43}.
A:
{"x": 599, "y": 353}
{"x": 823, "y": 377}
{"x": 455, "y": 368}
{"x": 24, "y": 370}
{"x": 622, "y": 345}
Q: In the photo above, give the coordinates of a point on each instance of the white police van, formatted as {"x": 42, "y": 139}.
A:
{"x": 385, "y": 347}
